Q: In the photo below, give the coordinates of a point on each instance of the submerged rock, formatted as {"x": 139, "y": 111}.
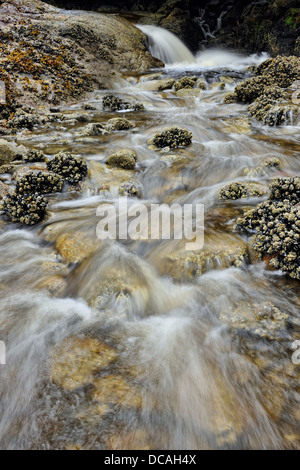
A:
{"x": 75, "y": 362}
{"x": 264, "y": 321}
{"x": 71, "y": 168}
{"x": 173, "y": 137}
{"x": 27, "y": 209}
{"x": 261, "y": 170}
{"x": 188, "y": 92}
{"x": 123, "y": 159}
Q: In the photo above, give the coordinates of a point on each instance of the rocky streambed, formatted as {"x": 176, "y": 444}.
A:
{"x": 140, "y": 344}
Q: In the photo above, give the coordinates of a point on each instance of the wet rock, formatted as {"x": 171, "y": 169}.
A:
{"x": 249, "y": 90}
{"x": 220, "y": 251}
{"x": 226, "y": 79}
{"x": 165, "y": 84}
{"x": 34, "y": 155}
{"x": 39, "y": 182}
{"x": 276, "y": 226}
{"x": 261, "y": 170}
{"x": 263, "y": 321}
{"x": 74, "y": 247}
{"x": 73, "y": 55}
{"x": 76, "y": 360}
{"x": 200, "y": 83}
{"x": 27, "y": 209}
{"x": 125, "y": 159}
{"x": 185, "y": 82}
{"x": 173, "y": 137}
{"x": 134, "y": 440}
{"x": 9, "y": 152}
{"x": 230, "y": 97}
{"x": 268, "y": 108}
{"x": 116, "y": 391}
{"x": 69, "y": 167}
{"x": 118, "y": 124}
{"x": 188, "y": 92}
{"x": 76, "y": 117}
{"x": 283, "y": 70}
{"x": 93, "y": 129}
{"x": 114, "y": 103}
{"x": 130, "y": 189}
{"x": 217, "y": 85}
{"x": 239, "y": 191}
{"x": 240, "y": 125}
{"x": 23, "y": 170}
{"x": 5, "y": 190}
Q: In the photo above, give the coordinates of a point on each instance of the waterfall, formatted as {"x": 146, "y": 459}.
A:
{"x": 166, "y": 46}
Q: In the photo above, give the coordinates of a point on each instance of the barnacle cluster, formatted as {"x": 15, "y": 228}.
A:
{"x": 69, "y": 167}
{"x": 185, "y": 82}
{"x": 239, "y": 191}
{"x": 285, "y": 189}
{"x": 268, "y": 92}
{"x": 261, "y": 169}
{"x": 39, "y": 182}
{"x": 33, "y": 155}
{"x": 27, "y": 209}
{"x": 114, "y": 103}
{"x": 276, "y": 224}
{"x": 174, "y": 137}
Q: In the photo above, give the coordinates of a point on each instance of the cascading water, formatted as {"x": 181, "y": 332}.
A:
{"x": 166, "y": 46}
{"x": 167, "y": 352}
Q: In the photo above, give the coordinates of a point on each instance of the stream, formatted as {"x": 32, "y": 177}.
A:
{"x": 136, "y": 344}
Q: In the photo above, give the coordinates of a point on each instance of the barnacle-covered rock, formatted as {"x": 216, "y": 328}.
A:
{"x": 93, "y": 129}
{"x": 277, "y": 228}
{"x": 230, "y": 97}
{"x": 114, "y": 103}
{"x": 240, "y": 191}
{"x": 34, "y": 155}
{"x": 27, "y": 209}
{"x": 123, "y": 159}
{"x": 173, "y": 137}
{"x": 69, "y": 167}
{"x": 39, "y": 182}
{"x": 130, "y": 188}
{"x": 272, "y": 107}
{"x": 118, "y": 124}
{"x": 252, "y": 88}
{"x": 283, "y": 70}
{"x": 261, "y": 170}
{"x": 185, "y": 82}
{"x": 285, "y": 189}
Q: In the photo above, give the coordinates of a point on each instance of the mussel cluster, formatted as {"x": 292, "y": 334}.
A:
{"x": 40, "y": 182}
{"x": 114, "y": 103}
{"x": 174, "y": 137}
{"x": 27, "y": 209}
{"x": 276, "y": 224}
{"x": 69, "y": 167}
{"x": 33, "y": 155}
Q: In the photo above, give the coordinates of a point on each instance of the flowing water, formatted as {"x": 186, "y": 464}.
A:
{"x": 139, "y": 344}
